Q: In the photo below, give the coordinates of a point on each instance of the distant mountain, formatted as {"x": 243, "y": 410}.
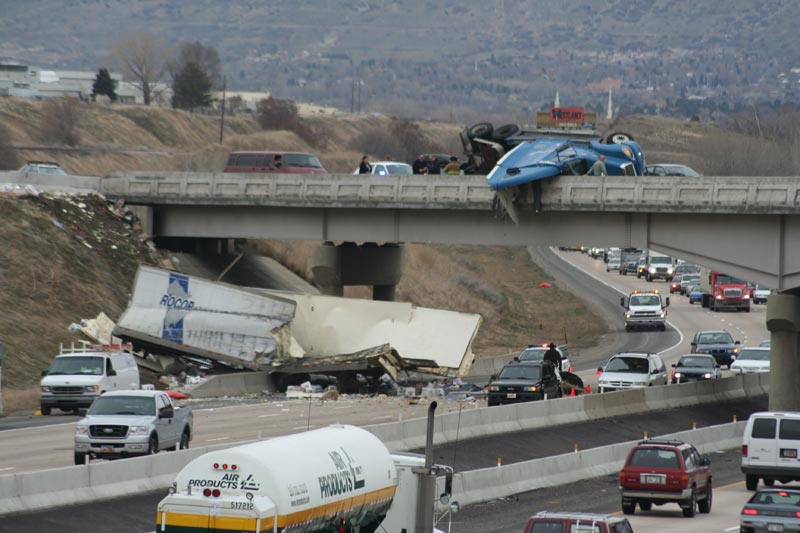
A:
{"x": 450, "y": 59}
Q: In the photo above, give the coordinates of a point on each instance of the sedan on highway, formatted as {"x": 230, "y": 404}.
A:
{"x": 695, "y": 294}
{"x": 771, "y": 510}
{"x": 720, "y": 344}
{"x": 751, "y": 360}
{"x": 675, "y": 284}
{"x": 694, "y": 367}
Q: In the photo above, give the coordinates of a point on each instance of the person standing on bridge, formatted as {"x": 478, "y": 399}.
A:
{"x": 420, "y": 166}
{"x": 365, "y": 167}
{"x": 433, "y": 165}
{"x": 452, "y": 167}
{"x": 599, "y": 167}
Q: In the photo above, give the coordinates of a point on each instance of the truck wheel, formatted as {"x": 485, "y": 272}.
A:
{"x": 645, "y": 506}
{"x": 80, "y": 458}
{"x": 628, "y": 327}
{"x": 662, "y": 327}
{"x": 504, "y": 132}
{"x": 617, "y": 137}
{"x": 704, "y": 505}
{"x": 690, "y": 505}
{"x": 152, "y": 445}
{"x": 747, "y": 309}
{"x": 628, "y": 508}
{"x": 184, "y": 443}
{"x": 481, "y": 130}
{"x": 649, "y": 279}
{"x": 46, "y": 410}
{"x": 751, "y": 482}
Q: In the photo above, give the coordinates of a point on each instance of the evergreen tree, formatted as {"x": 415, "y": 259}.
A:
{"x": 103, "y": 84}
{"x": 191, "y": 88}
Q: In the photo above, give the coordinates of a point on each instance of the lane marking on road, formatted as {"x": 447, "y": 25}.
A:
{"x": 218, "y": 438}
{"x": 304, "y": 427}
{"x": 591, "y": 275}
{"x": 267, "y": 416}
{"x": 8, "y": 468}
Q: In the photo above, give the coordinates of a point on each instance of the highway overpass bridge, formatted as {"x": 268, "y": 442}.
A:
{"x": 745, "y": 226}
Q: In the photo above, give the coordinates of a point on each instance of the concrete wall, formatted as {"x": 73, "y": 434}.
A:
{"x": 53, "y": 182}
{"x": 410, "y": 434}
{"x": 498, "y": 482}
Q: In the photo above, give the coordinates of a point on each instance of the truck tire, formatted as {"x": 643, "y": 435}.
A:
{"x": 751, "y": 482}
{"x": 648, "y": 278}
{"x": 704, "y": 505}
{"x": 645, "y": 505}
{"x": 690, "y": 505}
{"x": 747, "y": 309}
{"x": 152, "y": 445}
{"x": 80, "y": 458}
{"x": 481, "y": 130}
{"x": 628, "y": 508}
{"x": 184, "y": 442}
{"x": 46, "y": 410}
{"x": 504, "y": 132}
{"x": 617, "y": 137}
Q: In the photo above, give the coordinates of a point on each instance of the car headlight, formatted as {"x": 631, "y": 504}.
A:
{"x": 138, "y": 430}
{"x": 45, "y": 388}
{"x": 92, "y": 388}
{"x": 628, "y": 314}
{"x": 736, "y": 350}
{"x": 746, "y": 296}
{"x": 628, "y": 152}
{"x": 718, "y": 297}
{"x": 663, "y": 314}
{"x": 678, "y": 374}
{"x": 531, "y": 389}
{"x": 707, "y": 375}
{"x": 640, "y": 383}
{"x": 652, "y": 269}
{"x": 669, "y": 270}
{"x": 81, "y": 430}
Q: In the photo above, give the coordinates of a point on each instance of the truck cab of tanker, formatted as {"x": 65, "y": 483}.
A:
{"x": 645, "y": 309}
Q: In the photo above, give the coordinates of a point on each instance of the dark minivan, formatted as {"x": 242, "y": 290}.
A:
{"x": 263, "y": 162}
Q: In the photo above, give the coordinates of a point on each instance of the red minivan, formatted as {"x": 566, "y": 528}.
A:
{"x": 262, "y": 162}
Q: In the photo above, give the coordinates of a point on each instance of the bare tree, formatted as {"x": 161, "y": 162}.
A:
{"x": 205, "y": 57}
{"x": 60, "y": 121}
{"x": 142, "y": 57}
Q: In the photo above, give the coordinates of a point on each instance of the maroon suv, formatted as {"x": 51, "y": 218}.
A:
{"x": 545, "y": 522}
{"x": 666, "y": 471}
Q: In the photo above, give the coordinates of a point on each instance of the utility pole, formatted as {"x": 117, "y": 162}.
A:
{"x": 1, "y": 378}
{"x": 222, "y": 117}
{"x": 359, "y": 96}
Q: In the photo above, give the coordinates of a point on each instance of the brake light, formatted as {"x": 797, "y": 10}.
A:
{"x": 206, "y": 492}
{"x": 215, "y": 493}
{"x": 744, "y": 450}
{"x": 684, "y": 480}
{"x": 622, "y": 477}
{"x": 750, "y": 512}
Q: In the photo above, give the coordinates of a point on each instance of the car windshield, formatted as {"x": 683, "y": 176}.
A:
{"x": 654, "y": 457}
{"x": 633, "y": 365}
{"x": 715, "y": 338}
{"x": 532, "y": 354}
{"x": 683, "y": 269}
{"x": 521, "y": 372}
{"x": 124, "y": 405}
{"x": 614, "y": 261}
{"x": 753, "y": 355}
{"x": 661, "y": 260}
{"x": 302, "y": 160}
{"x": 696, "y": 362}
{"x": 686, "y": 278}
{"x": 77, "y": 365}
{"x": 723, "y": 279}
{"x": 776, "y": 497}
{"x": 680, "y": 170}
{"x": 645, "y": 299}
{"x": 765, "y": 344}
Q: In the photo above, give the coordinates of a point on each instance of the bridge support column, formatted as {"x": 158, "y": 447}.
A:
{"x": 783, "y": 322}
{"x": 348, "y": 264}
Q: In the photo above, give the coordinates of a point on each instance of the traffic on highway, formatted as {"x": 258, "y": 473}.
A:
{"x": 632, "y": 351}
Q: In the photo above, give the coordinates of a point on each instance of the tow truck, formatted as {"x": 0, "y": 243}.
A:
{"x": 644, "y": 308}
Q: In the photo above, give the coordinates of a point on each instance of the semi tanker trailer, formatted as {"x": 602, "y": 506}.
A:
{"x": 339, "y": 479}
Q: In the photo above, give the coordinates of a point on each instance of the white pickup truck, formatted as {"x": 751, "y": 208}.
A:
{"x": 134, "y": 422}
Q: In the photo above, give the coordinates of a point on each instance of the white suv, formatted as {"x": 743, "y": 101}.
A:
{"x": 631, "y": 371}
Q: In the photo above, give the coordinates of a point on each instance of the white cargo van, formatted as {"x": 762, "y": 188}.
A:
{"x": 771, "y": 448}
{"x": 78, "y": 375}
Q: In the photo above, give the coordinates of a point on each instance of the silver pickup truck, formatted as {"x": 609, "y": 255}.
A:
{"x": 133, "y": 422}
